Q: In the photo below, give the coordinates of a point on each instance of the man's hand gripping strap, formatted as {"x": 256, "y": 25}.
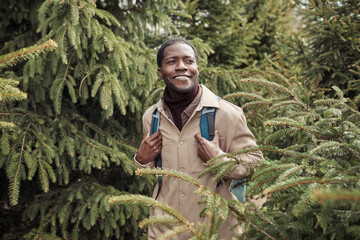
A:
{"x": 155, "y": 120}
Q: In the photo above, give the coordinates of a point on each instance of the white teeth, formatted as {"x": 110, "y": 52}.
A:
{"x": 181, "y": 77}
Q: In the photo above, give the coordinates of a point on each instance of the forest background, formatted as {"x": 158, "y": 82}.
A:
{"x": 76, "y": 76}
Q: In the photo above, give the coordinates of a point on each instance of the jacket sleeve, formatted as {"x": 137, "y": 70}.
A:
{"x": 146, "y": 121}
{"x": 241, "y": 139}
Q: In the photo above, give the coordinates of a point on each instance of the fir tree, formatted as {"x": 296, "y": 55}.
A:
{"x": 8, "y": 90}
{"x": 314, "y": 147}
{"x": 10, "y": 93}
{"x": 68, "y": 168}
{"x": 77, "y": 129}
{"x": 327, "y": 45}
{"x": 241, "y": 33}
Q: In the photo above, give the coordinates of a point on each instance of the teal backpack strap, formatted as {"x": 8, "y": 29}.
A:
{"x": 207, "y": 123}
{"x": 155, "y": 120}
{"x": 207, "y": 127}
{"x": 238, "y": 188}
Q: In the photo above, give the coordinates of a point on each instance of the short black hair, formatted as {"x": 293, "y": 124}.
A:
{"x": 171, "y": 41}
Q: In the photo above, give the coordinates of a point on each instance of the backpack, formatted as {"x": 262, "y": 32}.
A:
{"x": 207, "y": 127}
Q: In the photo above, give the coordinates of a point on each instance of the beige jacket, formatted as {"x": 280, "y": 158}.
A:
{"x": 179, "y": 152}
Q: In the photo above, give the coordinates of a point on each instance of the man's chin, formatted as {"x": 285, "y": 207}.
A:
{"x": 183, "y": 90}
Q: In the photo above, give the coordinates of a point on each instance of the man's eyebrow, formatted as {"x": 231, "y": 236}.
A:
{"x": 170, "y": 57}
{"x": 178, "y": 57}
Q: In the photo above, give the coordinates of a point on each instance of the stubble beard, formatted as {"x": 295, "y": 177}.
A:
{"x": 181, "y": 91}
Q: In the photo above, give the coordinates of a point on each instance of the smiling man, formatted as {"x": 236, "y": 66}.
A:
{"x": 179, "y": 140}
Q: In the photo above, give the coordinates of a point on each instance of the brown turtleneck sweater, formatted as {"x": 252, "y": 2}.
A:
{"x": 182, "y": 108}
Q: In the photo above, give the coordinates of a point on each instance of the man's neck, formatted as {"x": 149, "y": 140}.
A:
{"x": 178, "y": 105}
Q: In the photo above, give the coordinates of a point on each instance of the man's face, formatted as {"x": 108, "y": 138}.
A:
{"x": 179, "y": 68}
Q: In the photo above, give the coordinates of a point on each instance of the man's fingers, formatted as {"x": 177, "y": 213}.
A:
{"x": 156, "y": 142}
{"x": 198, "y": 137}
{"x": 156, "y": 134}
{"x": 158, "y": 145}
{"x": 154, "y": 138}
{"x": 216, "y": 137}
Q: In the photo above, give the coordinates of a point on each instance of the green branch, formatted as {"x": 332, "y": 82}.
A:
{"x": 23, "y": 54}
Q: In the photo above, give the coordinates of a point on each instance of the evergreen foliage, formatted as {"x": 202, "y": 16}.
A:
{"x": 328, "y": 44}
{"x": 215, "y": 206}
{"x": 66, "y": 154}
{"x": 80, "y": 207}
{"x": 8, "y": 90}
{"x": 311, "y": 178}
{"x": 242, "y": 33}
{"x": 313, "y": 147}
{"x": 82, "y": 115}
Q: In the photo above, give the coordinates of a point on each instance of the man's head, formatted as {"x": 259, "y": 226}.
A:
{"x": 177, "y": 61}
{"x": 171, "y": 41}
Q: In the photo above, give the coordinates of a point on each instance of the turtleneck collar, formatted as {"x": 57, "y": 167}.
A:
{"x": 178, "y": 105}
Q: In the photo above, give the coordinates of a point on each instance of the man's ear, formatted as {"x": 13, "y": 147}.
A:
{"x": 160, "y": 72}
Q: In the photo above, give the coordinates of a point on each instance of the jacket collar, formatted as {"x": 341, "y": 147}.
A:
{"x": 208, "y": 99}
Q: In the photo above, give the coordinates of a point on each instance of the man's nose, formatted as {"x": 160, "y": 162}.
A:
{"x": 181, "y": 65}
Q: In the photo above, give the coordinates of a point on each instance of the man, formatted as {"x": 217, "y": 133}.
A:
{"x": 179, "y": 139}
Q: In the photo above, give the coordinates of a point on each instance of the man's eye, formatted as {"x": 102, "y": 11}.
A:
{"x": 190, "y": 61}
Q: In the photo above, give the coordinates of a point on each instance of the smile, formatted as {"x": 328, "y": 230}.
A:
{"x": 182, "y": 77}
